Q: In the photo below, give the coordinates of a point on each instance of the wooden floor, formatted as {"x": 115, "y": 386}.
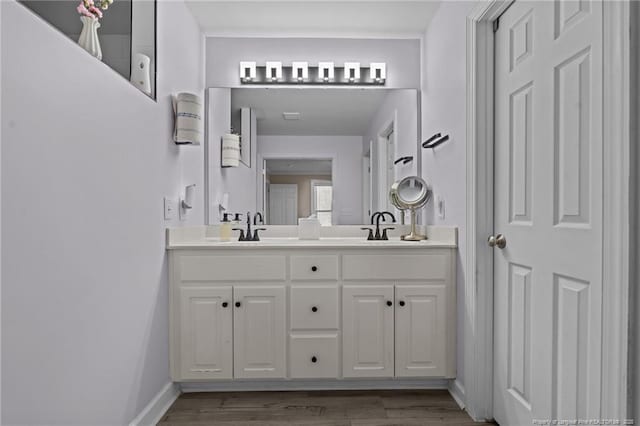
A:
{"x": 328, "y": 408}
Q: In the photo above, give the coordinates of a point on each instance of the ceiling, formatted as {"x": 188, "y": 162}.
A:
{"x": 328, "y": 112}
{"x": 299, "y": 167}
{"x": 313, "y": 18}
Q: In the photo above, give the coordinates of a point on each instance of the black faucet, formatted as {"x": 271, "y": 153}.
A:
{"x": 247, "y": 235}
{"x": 376, "y": 218}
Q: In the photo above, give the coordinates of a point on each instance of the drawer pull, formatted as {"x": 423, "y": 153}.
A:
{"x": 402, "y": 303}
{"x": 314, "y": 359}
{"x": 225, "y": 304}
{"x": 389, "y": 303}
{"x": 314, "y": 268}
{"x": 238, "y": 304}
{"x": 314, "y": 309}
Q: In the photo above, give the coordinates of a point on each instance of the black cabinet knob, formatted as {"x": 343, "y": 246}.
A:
{"x": 314, "y": 268}
{"x": 225, "y": 304}
{"x": 402, "y": 303}
{"x": 314, "y": 309}
{"x": 238, "y": 304}
{"x": 314, "y": 359}
{"x": 389, "y": 303}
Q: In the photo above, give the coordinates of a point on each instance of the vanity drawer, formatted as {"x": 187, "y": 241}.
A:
{"x": 307, "y": 268}
{"x": 314, "y": 307}
{"x": 233, "y": 268}
{"x": 314, "y": 356}
{"x": 432, "y": 266}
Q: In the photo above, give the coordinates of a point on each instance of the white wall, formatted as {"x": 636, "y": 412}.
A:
{"x": 400, "y": 106}
{"x": 224, "y": 55}
{"x": 86, "y": 161}
{"x": 346, "y": 152}
{"x": 443, "y": 110}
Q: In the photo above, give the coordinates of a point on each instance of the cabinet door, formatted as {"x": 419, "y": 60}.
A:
{"x": 420, "y": 330}
{"x": 206, "y": 348}
{"x": 259, "y": 332}
{"x": 367, "y": 313}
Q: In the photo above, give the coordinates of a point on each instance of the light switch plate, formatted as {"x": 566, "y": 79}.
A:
{"x": 170, "y": 207}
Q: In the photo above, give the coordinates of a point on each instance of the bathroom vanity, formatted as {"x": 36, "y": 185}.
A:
{"x": 336, "y": 309}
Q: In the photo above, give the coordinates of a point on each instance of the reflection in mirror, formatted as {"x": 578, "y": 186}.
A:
{"x": 120, "y": 33}
{"x": 325, "y": 152}
{"x": 298, "y": 188}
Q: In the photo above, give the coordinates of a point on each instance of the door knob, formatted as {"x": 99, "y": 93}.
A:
{"x": 497, "y": 241}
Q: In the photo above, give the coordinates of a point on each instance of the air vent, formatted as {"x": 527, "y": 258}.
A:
{"x": 291, "y": 115}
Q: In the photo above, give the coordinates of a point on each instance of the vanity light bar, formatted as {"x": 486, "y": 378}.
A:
{"x": 300, "y": 72}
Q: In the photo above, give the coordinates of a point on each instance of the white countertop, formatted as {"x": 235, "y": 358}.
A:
{"x": 207, "y": 237}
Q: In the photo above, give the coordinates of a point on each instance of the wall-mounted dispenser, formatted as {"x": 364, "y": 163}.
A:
{"x": 140, "y": 77}
{"x": 186, "y": 203}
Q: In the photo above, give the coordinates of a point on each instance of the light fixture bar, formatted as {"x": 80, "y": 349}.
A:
{"x": 325, "y": 73}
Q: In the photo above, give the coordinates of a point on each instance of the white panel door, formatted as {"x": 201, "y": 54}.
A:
{"x": 283, "y": 204}
{"x": 548, "y": 206}
{"x": 206, "y": 348}
{"x": 259, "y": 332}
{"x": 367, "y": 316}
{"x": 421, "y": 339}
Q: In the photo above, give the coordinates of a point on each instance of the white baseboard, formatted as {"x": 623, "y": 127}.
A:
{"x": 457, "y": 392}
{"x": 310, "y": 385}
{"x": 153, "y": 412}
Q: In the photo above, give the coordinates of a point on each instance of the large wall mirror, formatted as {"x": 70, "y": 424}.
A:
{"x": 124, "y": 37}
{"x": 329, "y": 152}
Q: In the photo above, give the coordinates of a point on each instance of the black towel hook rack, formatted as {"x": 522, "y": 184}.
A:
{"x": 404, "y": 160}
{"x": 435, "y": 140}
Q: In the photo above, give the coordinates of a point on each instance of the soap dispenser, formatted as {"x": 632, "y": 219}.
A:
{"x": 225, "y": 228}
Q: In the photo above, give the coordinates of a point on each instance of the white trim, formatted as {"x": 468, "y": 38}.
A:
{"x": 389, "y": 128}
{"x": 313, "y": 184}
{"x": 457, "y": 393}
{"x": 478, "y": 327}
{"x": 158, "y": 406}
{"x": 478, "y": 288}
{"x": 634, "y": 332}
{"x": 616, "y": 220}
{"x": 310, "y": 385}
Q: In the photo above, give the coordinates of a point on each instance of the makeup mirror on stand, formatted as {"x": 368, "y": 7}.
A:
{"x": 411, "y": 193}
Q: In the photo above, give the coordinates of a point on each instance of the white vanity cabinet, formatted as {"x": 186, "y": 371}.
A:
{"x": 307, "y": 313}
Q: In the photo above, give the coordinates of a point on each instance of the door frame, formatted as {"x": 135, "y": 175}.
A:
{"x": 617, "y": 185}
{"x": 389, "y": 128}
